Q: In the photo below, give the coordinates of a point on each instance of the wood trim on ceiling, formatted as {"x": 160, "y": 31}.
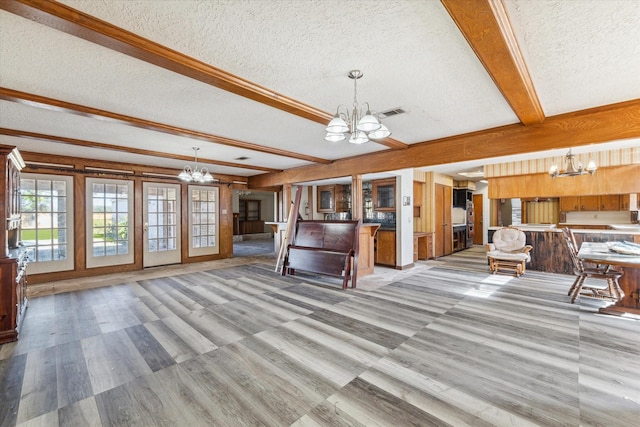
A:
{"x": 100, "y": 145}
{"x": 81, "y": 110}
{"x": 46, "y": 163}
{"x": 486, "y": 26}
{"x": 593, "y": 126}
{"x": 87, "y": 27}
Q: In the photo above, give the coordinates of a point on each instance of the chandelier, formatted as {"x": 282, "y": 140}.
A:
{"x": 362, "y": 127}
{"x": 195, "y": 174}
{"x": 571, "y": 169}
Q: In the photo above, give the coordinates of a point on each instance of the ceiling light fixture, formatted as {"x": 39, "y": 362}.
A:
{"x": 195, "y": 174}
{"x": 571, "y": 169}
{"x": 362, "y": 127}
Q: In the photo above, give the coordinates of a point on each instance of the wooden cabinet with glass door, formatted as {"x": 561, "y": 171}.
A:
{"x": 384, "y": 195}
{"x": 332, "y": 198}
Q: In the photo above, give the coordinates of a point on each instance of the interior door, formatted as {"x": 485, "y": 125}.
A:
{"x": 161, "y": 224}
{"x": 444, "y": 227}
{"x": 478, "y": 220}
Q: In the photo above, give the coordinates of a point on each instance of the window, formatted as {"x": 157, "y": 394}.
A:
{"x": 109, "y": 222}
{"x": 203, "y": 227}
{"x": 46, "y": 203}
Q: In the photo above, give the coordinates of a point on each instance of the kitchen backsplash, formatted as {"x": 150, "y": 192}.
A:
{"x": 599, "y": 217}
{"x": 385, "y": 219}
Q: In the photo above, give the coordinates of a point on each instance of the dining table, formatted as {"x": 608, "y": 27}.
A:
{"x": 629, "y": 264}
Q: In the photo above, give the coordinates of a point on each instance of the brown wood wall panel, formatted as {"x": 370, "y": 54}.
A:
{"x": 614, "y": 180}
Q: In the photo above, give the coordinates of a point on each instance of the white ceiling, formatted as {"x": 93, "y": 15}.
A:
{"x": 580, "y": 54}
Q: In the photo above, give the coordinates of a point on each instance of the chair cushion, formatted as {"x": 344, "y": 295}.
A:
{"x": 509, "y": 256}
{"x": 509, "y": 240}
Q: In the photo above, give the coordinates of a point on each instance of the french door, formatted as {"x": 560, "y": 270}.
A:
{"x": 161, "y": 224}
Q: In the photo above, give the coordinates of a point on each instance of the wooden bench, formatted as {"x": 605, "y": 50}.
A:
{"x": 325, "y": 247}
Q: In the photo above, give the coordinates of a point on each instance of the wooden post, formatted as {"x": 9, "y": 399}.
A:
{"x": 356, "y": 197}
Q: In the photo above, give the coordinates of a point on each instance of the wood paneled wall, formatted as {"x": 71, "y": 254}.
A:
{"x": 603, "y": 159}
{"x": 612, "y": 180}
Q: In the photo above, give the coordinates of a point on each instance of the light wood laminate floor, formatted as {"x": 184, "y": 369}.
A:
{"x": 445, "y": 343}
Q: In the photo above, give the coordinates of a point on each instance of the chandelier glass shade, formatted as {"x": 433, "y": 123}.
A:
{"x": 360, "y": 123}
{"x": 571, "y": 168}
{"x": 196, "y": 174}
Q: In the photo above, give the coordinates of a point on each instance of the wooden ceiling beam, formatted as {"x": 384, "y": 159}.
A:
{"x": 87, "y": 27}
{"x": 585, "y": 127}
{"x": 130, "y": 150}
{"x": 486, "y": 26}
{"x": 81, "y": 110}
{"x": 44, "y": 163}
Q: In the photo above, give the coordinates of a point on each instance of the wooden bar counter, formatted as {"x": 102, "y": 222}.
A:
{"x": 550, "y": 251}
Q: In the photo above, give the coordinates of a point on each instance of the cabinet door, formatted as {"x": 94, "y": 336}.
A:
{"x": 569, "y": 204}
{"x": 384, "y": 195}
{"x": 610, "y": 202}
{"x": 589, "y": 203}
{"x": 386, "y": 247}
{"x": 326, "y": 198}
{"x": 625, "y": 202}
{"x": 417, "y": 193}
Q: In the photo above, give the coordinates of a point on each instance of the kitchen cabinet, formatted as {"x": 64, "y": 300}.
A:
{"x": 460, "y": 197}
{"x": 417, "y": 198}
{"x": 385, "y": 247}
{"x": 459, "y": 238}
{"x": 589, "y": 203}
{"x": 384, "y": 195}
{"x": 604, "y": 202}
{"x": 610, "y": 202}
{"x": 570, "y": 204}
{"x": 332, "y": 199}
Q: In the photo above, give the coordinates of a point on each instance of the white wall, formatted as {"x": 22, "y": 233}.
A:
{"x": 404, "y": 217}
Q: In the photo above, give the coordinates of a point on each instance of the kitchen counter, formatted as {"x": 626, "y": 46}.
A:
{"x": 550, "y": 251}
{"x": 615, "y": 228}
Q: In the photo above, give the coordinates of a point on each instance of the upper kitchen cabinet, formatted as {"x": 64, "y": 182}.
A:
{"x": 610, "y": 202}
{"x": 417, "y": 198}
{"x": 605, "y": 202}
{"x": 326, "y": 198}
{"x": 333, "y": 198}
{"x": 384, "y": 195}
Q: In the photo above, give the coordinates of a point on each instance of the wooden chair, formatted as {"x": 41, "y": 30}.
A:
{"x": 601, "y": 272}
{"x": 509, "y": 251}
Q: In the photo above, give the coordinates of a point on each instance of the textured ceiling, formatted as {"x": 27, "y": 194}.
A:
{"x": 580, "y": 54}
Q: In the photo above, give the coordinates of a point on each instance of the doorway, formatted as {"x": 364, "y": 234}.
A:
{"x": 161, "y": 214}
{"x": 252, "y": 237}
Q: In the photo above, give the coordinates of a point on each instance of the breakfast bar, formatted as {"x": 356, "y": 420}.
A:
{"x": 550, "y": 251}
{"x": 629, "y": 282}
